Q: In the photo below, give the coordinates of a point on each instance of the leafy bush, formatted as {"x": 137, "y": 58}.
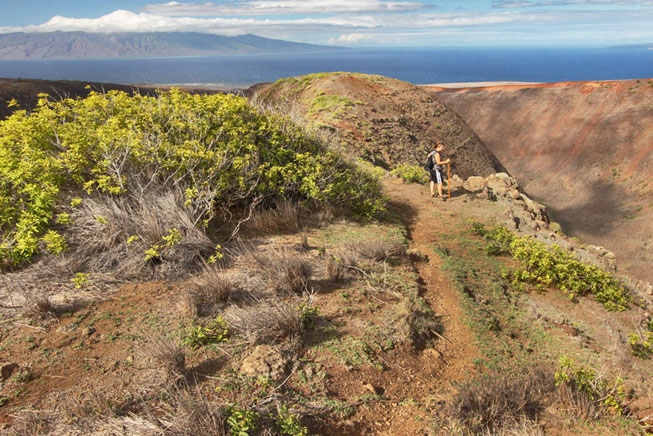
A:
{"x": 642, "y": 344}
{"x": 289, "y": 423}
{"x": 217, "y": 149}
{"x": 554, "y": 267}
{"x": 241, "y": 422}
{"x": 587, "y": 382}
{"x": 410, "y": 173}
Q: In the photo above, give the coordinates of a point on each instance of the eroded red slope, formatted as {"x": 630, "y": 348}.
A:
{"x": 583, "y": 148}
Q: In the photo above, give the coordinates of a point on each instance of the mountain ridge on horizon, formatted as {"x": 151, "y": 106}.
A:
{"x": 87, "y": 45}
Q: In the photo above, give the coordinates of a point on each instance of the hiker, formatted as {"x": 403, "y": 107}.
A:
{"x": 434, "y": 164}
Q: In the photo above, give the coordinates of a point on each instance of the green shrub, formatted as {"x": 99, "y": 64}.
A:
{"x": 554, "y": 267}
{"x": 241, "y": 422}
{"x": 290, "y": 424}
{"x": 216, "y": 332}
{"x": 586, "y": 381}
{"x": 410, "y": 173}
{"x": 217, "y": 149}
{"x": 641, "y": 344}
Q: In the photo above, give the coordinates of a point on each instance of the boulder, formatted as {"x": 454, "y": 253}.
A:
{"x": 474, "y": 184}
{"x": 7, "y": 369}
{"x": 265, "y": 361}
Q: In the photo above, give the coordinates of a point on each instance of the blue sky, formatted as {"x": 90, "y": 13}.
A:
{"x": 354, "y": 23}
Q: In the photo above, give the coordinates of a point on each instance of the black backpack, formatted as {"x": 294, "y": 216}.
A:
{"x": 429, "y": 162}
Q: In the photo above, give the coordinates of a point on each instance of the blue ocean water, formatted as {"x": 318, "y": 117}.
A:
{"x": 420, "y": 66}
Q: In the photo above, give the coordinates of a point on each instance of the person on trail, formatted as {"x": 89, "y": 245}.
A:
{"x": 434, "y": 164}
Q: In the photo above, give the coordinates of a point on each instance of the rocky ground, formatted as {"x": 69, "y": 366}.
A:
{"x": 391, "y": 345}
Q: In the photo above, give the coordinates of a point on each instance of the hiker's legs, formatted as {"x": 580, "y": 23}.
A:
{"x": 432, "y": 188}
{"x": 440, "y": 190}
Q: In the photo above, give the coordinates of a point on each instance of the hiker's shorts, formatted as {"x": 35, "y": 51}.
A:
{"x": 435, "y": 176}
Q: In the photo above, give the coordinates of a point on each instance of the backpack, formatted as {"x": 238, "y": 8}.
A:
{"x": 429, "y": 162}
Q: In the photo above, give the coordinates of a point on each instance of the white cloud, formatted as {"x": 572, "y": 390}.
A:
{"x": 126, "y": 21}
{"x": 282, "y": 7}
{"x": 350, "y": 38}
{"x": 514, "y": 4}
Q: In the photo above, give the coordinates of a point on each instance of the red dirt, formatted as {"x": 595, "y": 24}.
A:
{"x": 585, "y": 149}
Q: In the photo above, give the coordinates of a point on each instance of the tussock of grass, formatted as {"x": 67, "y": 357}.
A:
{"x": 377, "y": 249}
{"x": 168, "y": 355}
{"x": 212, "y": 288}
{"x": 283, "y": 271}
{"x": 283, "y": 218}
{"x": 266, "y": 322}
{"x": 498, "y": 401}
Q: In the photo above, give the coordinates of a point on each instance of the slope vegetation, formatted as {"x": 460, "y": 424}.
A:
{"x": 584, "y": 149}
{"x": 381, "y": 120}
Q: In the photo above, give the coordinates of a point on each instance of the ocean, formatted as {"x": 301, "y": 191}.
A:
{"x": 415, "y": 65}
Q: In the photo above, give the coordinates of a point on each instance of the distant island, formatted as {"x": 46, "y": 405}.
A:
{"x": 84, "y": 45}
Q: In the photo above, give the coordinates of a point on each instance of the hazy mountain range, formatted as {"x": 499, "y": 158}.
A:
{"x": 83, "y": 45}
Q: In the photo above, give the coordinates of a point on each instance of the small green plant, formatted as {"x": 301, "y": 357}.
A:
{"x": 609, "y": 393}
{"x": 241, "y": 422}
{"x": 80, "y": 279}
{"x": 309, "y": 315}
{"x": 54, "y": 242}
{"x": 642, "y": 344}
{"x": 169, "y": 240}
{"x": 290, "y": 424}
{"x": 410, "y": 173}
{"x": 216, "y": 332}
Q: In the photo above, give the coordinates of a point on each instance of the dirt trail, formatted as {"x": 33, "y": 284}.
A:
{"x": 423, "y": 220}
{"x": 456, "y": 353}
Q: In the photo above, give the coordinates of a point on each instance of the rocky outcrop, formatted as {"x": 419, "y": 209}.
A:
{"x": 265, "y": 361}
{"x": 528, "y": 217}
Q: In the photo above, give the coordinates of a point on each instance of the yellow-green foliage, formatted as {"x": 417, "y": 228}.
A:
{"x": 608, "y": 393}
{"x": 410, "y": 173}
{"x": 333, "y": 103}
{"x": 642, "y": 343}
{"x": 217, "y": 148}
{"x": 544, "y": 266}
{"x": 375, "y": 171}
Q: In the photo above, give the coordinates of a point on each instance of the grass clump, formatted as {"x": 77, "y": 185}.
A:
{"x": 544, "y": 266}
{"x": 267, "y": 322}
{"x": 495, "y": 401}
{"x": 410, "y": 173}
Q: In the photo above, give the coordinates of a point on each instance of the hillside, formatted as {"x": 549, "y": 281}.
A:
{"x": 382, "y": 120}
{"x": 84, "y": 45}
{"x": 194, "y": 265}
{"x": 584, "y": 149}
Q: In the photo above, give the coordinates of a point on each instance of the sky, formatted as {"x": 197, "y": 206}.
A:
{"x": 354, "y": 23}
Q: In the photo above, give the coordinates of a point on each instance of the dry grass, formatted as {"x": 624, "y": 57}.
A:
{"x": 168, "y": 356}
{"x": 283, "y": 271}
{"x": 265, "y": 322}
{"x": 334, "y": 268}
{"x": 283, "y": 218}
{"x": 212, "y": 288}
{"x": 111, "y": 235}
{"x": 498, "y": 401}
{"x": 377, "y": 249}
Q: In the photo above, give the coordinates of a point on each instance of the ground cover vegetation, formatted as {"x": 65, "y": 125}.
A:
{"x": 527, "y": 379}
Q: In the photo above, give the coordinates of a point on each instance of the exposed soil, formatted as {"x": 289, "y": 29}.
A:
{"x": 585, "y": 149}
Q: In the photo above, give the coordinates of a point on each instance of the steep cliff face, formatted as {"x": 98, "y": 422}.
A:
{"x": 382, "y": 120}
{"x": 583, "y": 148}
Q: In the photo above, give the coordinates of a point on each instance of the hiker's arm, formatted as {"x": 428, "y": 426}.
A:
{"x": 438, "y": 161}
